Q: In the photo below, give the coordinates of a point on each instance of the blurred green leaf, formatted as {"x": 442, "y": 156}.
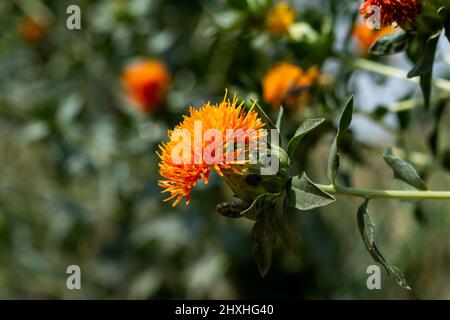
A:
{"x": 444, "y": 11}
{"x": 33, "y": 131}
{"x": 238, "y": 4}
{"x": 446, "y": 159}
{"x": 69, "y": 109}
{"x": 259, "y": 6}
{"x": 391, "y": 44}
{"x": 424, "y": 66}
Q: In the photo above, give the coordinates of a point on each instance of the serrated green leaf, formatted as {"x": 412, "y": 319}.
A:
{"x": 424, "y": 66}
{"x": 344, "y": 123}
{"x": 391, "y": 44}
{"x": 367, "y": 230}
{"x": 404, "y": 171}
{"x": 306, "y": 127}
{"x": 305, "y": 195}
{"x": 263, "y": 239}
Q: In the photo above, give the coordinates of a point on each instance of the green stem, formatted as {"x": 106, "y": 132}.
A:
{"x": 396, "y": 72}
{"x": 386, "y": 194}
{"x": 414, "y": 103}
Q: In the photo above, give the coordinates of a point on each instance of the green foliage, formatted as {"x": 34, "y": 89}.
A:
{"x": 423, "y": 67}
{"x": 404, "y": 171}
{"x": 344, "y": 123}
{"x": 269, "y": 212}
{"x": 305, "y": 195}
{"x": 444, "y": 12}
{"x": 391, "y": 44}
{"x": 263, "y": 240}
{"x": 306, "y": 127}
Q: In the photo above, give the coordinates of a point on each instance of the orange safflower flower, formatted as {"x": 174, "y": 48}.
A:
{"x": 288, "y": 84}
{"x": 366, "y": 36}
{"x": 32, "y": 29}
{"x": 180, "y": 178}
{"x": 147, "y": 83}
{"x": 391, "y": 11}
{"x": 280, "y": 19}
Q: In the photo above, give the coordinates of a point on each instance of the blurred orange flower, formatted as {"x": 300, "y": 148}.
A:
{"x": 366, "y": 36}
{"x": 280, "y": 18}
{"x": 147, "y": 83}
{"x": 227, "y": 116}
{"x": 287, "y": 84}
{"x": 32, "y": 29}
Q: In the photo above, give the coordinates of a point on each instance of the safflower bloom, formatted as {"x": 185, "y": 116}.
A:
{"x": 147, "y": 83}
{"x": 280, "y": 19}
{"x": 32, "y": 29}
{"x": 180, "y": 178}
{"x": 366, "y": 36}
{"x": 392, "y": 11}
{"x": 287, "y": 84}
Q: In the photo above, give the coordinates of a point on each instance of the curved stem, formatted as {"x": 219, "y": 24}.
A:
{"x": 396, "y": 72}
{"x": 386, "y": 194}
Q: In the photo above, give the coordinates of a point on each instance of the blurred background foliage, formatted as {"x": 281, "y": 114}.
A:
{"x": 79, "y": 167}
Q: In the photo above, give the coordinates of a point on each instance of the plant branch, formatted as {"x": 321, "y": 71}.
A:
{"x": 396, "y": 72}
{"x": 385, "y": 194}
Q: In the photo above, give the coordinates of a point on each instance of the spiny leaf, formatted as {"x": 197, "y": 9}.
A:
{"x": 303, "y": 130}
{"x": 305, "y": 195}
{"x": 391, "y": 44}
{"x": 424, "y": 66}
{"x": 367, "y": 229}
{"x": 344, "y": 123}
{"x": 404, "y": 171}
